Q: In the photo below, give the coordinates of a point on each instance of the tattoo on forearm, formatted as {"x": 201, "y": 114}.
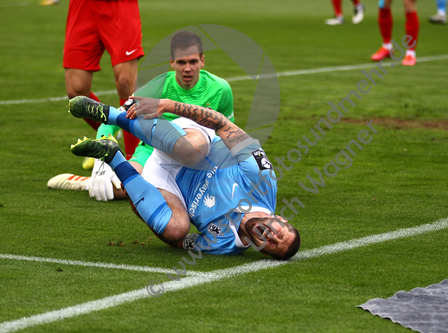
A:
{"x": 203, "y": 116}
{"x": 236, "y": 135}
{"x": 211, "y": 119}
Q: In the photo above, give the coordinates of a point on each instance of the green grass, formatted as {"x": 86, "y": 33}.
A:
{"x": 397, "y": 181}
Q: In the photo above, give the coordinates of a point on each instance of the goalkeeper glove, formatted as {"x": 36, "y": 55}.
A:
{"x": 102, "y": 181}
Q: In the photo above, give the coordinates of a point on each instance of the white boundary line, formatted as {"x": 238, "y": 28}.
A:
{"x": 94, "y": 264}
{"x": 245, "y": 78}
{"x": 17, "y": 4}
{"x": 112, "y": 301}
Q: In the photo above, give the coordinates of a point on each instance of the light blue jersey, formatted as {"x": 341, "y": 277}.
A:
{"x": 213, "y": 191}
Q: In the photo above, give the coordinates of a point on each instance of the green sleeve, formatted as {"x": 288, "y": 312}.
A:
{"x": 226, "y": 103}
{"x": 106, "y": 130}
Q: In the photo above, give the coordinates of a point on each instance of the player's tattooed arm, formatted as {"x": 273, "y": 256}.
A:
{"x": 151, "y": 108}
{"x": 228, "y": 131}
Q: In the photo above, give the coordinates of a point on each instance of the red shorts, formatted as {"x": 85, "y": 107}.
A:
{"x": 97, "y": 25}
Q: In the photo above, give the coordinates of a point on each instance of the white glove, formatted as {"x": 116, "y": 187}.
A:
{"x": 100, "y": 185}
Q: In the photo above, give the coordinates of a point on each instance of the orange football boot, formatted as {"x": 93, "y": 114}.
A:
{"x": 409, "y": 60}
{"x": 381, "y": 54}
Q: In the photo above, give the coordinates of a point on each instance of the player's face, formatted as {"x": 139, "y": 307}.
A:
{"x": 274, "y": 237}
{"x": 187, "y": 65}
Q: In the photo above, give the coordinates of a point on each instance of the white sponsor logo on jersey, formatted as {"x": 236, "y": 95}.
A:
{"x": 209, "y": 201}
{"x": 211, "y": 173}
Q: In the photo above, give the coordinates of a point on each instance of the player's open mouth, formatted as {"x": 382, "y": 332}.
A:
{"x": 188, "y": 77}
{"x": 268, "y": 233}
{"x": 258, "y": 232}
{"x": 264, "y": 231}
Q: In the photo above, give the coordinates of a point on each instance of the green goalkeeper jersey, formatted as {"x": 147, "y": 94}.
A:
{"x": 210, "y": 91}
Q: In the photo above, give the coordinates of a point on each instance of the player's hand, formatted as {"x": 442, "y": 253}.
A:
{"x": 127, "y": 106}
{"x": 130, "y": 113}
{"x": 150, "y": 108}
{"x": 102, "y": 181}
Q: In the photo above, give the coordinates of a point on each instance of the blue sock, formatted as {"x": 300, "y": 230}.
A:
{"x": 113, "y": 114}
{"x": 125, "y": 171}
{"x": 150, "y": 203}
{"x": 116, "y": 160}
{"x": 158, "y": 133}
{"x": 441, "y": 5}
{"x": 131, "y": 126}
{"x": 148, "y": 200}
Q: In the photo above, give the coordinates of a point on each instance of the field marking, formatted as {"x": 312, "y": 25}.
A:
{"x": 112, "y": 301}
{"x": 95, "y": 264}
{"x": 52, "y": 99}
{"x": 245, "y": 78}
{"x": 17, "y": 4}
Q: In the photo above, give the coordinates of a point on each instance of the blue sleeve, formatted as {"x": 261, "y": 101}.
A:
{"x": 253, "y": 161}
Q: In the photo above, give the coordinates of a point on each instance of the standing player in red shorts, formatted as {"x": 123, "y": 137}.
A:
{"x": 385, "y": 23}
{"x": 92, "y": 27}
{"x": 358, "y": 14}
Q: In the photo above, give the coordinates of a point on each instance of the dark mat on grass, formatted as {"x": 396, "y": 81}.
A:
{"x": 421, "y": 309}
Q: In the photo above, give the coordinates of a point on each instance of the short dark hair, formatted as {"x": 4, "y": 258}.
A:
{"x": 182, "y": 40}
{"x": 293, "y": 248}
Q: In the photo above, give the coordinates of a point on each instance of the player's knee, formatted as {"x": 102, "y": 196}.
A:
{"x": 73, "y": 92}
{"x": 189, "y": 156}
{"x": 191, "y": 149}
{"x": 77, "y": 84}
{"x": 175, "y": 234}
{"x": 124, "y": 82}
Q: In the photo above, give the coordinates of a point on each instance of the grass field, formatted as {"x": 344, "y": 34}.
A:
{"x": 399, "y": 180}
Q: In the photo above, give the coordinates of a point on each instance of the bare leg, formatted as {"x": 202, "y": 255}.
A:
{"x": 126, "y": 78}
{"x": 78, "y": 82}
{"x": 409, "y": 6}
{"x": 190, "y": 149}
{"x": 179, "y": 225}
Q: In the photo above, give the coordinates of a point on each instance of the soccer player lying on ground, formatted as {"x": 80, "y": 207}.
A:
{"x": 225, "y": 185}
